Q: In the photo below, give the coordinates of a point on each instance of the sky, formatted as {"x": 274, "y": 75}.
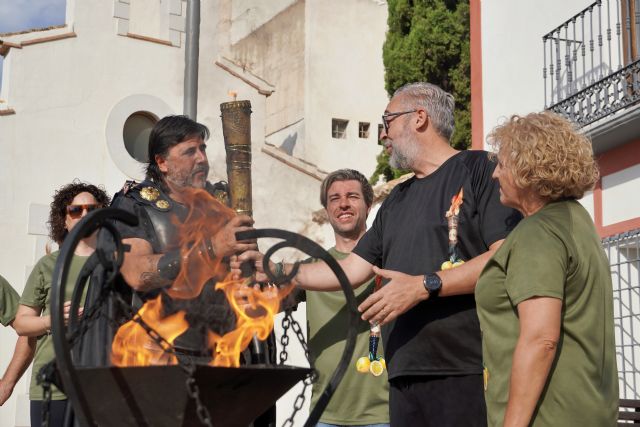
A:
{"x": 18, "y": 15}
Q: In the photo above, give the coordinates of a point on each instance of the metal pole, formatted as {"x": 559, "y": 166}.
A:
{"x": 191, "y": 59}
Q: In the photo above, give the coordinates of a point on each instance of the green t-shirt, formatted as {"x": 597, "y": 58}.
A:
{"x": 37, "y": 294}
{"x": 8, "y": 302}
{"x": 556, "y": 253}
{"x": 360, "y": 398}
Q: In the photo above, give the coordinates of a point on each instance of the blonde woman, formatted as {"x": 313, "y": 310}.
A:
{"x": 545, "y": 300}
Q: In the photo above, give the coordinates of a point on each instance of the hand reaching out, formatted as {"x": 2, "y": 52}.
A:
{"x": 399, "y": 295}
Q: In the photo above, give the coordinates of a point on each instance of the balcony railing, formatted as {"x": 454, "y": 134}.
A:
{"x": 589, "y": 72}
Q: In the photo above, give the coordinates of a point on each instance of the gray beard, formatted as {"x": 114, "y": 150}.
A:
{"x": 404, "y": 158}
{"x": 398, "y": 160}
{"x": 184, "y": 180}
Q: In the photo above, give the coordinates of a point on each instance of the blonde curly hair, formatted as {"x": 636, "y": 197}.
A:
{"x": 545, "y": 153}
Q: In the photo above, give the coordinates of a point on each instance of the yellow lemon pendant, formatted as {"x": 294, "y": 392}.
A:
{"x": 362, "y": 365}
{"x": 376, "y": 368}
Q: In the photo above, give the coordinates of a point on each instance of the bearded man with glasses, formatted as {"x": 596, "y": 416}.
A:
{"x": 430, "y": 326}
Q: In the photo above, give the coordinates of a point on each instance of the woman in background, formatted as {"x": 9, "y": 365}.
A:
{"x": 70, "y": 204}
{"x": 545, "y": 299}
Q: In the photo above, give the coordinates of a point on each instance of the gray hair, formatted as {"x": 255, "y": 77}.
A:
{"x": 438, "y": 103}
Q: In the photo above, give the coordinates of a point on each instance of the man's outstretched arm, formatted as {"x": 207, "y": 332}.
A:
{"x": 316, "y": 276}
{"x": 22, "y": 357}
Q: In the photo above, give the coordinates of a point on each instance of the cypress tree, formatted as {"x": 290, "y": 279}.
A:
{"x": 428, "y": 40}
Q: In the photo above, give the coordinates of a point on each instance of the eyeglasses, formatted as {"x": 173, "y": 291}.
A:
{"x": 386, "y": 116}
{"x": 75, "y": 211}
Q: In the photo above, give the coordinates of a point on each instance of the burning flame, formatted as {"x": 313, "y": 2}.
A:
{"x": 132, "y": 346}
{"x": 254, "y": 307}
{"x": 206, "y": 217}
{"x": 255, "y": 310}
{"x": 456, "y": 202}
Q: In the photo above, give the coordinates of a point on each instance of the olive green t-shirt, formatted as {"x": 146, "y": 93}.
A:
{"x": 556, "y": 253}
{"x": 37, "y": 294}
{"x": 8, "y": 302}
{"x": 360, "y": 398}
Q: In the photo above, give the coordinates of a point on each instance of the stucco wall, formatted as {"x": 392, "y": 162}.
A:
{"x": 512, "y": 58}
{"x": 619, "y": 195}
{"x": 344, "y": 80}
{"x": 275, "y": 52}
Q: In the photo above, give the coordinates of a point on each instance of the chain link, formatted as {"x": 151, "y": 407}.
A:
{"x": 284, "y": 339}
{"x": 288, "y": 322}
{"x": 194, "y": 392}
{"x": 300, "y": 399}
{"x": 300, "y": 334}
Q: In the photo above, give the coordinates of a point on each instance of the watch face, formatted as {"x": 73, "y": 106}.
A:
{"x": 433, "y": 283}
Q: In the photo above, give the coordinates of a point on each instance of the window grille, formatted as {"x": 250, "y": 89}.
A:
{"x": 339, "y": 128}
{"x": 363, "y": 130}
{"x": 622, "y": 251}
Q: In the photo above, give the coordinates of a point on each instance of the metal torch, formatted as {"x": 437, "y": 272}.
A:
{"x": 236, "y": 129}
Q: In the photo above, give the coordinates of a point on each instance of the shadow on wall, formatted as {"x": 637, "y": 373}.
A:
{"x": 289, "y": 144}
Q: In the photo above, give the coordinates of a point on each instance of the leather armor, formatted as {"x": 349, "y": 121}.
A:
{"x": 157, "y": 214}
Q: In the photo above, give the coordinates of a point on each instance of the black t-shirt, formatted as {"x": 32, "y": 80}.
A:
{"x": 410, "y": 234}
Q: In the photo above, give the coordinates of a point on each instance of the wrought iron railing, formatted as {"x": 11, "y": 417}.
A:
{"x": 623, "y": 251}
{"x": 591, "y": 63}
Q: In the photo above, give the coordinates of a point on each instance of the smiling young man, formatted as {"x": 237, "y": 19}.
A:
{"x": 360, "y": 399}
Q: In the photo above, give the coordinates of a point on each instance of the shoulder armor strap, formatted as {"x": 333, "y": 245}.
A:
{"x": 148, "y": 194}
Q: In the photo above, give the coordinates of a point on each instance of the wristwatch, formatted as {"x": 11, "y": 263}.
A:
{"x": 432, "y": 284}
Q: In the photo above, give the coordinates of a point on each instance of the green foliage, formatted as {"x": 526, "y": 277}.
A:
{"x": 428, "y": 40}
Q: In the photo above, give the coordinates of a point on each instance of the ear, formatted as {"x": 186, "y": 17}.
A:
{"x": 162, "y": 163}
{"x": 422, "y": 118}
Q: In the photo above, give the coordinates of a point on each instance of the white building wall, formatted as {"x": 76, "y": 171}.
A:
{"x": 620, "y": 201}
{"x": 512, "y": 54}
{"x": 248, "y": 15}
{"x": 344, "y": 80}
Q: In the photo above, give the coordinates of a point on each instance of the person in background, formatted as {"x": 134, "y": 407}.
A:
{"x": 545, "y": 299}
{"x": 25, "y": 346}
{"x": 361, "y": 398}
{"x": 70, "y": 204}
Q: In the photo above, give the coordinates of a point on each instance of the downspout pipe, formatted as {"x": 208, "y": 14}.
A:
{"x": 191, "y": 59}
